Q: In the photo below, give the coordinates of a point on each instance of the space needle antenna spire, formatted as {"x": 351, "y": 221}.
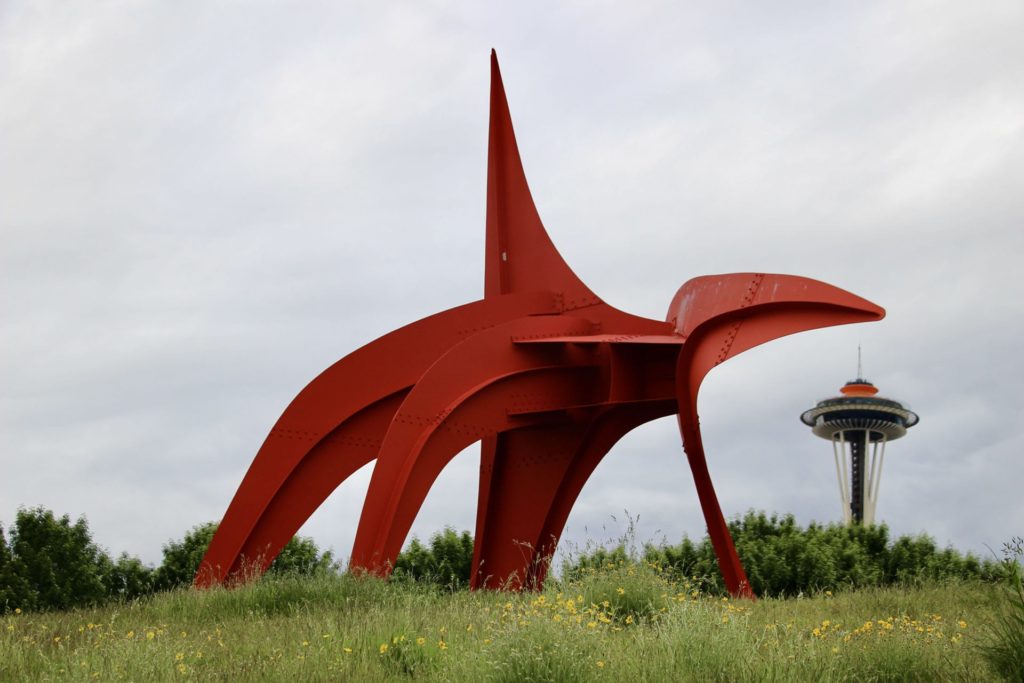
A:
{"x": 860, "y": 367}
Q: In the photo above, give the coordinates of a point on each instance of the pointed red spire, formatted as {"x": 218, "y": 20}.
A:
{"x": 520, "y": 256}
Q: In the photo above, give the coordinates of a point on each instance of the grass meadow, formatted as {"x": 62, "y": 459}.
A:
{"x": 624, "y": 621}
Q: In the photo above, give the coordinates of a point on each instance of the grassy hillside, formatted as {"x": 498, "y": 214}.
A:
{"x": 619, "y": 622}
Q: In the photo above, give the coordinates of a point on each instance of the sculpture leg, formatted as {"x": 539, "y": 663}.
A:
{"x": 382, "y": 368}
{"x": 326, "y": 467}
{"x": 397, "y": 493}
{"x": 481, "y": 365}
{"x": 604, "y": 432}
{"x": 268, "y": 510}
{"x": 519, "y": 479}
{"x": 721, "y": 540}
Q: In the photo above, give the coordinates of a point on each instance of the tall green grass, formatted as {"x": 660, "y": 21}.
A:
{"x": 623, "y": 621}
{"x": 1004, "y": 646}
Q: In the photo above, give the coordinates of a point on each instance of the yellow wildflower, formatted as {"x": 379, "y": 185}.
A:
{"x": 383, "y": 648}
{"x": 347, "y": 650}
{"x": 150, "y": 635}
{"x": 600, "y": 664}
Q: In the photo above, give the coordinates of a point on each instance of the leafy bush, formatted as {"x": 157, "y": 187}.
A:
{"x": 51, "y": 563}
{"x": 447, "y": 562}
{"x": 14, "y": 589}
{"x": 181, "y": 558}
{"x": 128, "y": 578}
{"x": 783, "y": 559}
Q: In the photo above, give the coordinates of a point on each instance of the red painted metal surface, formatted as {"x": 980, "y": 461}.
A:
{"x": 541, "y": 371}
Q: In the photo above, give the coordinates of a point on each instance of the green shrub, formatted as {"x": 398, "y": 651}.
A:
{"x": 783, "y": 559}
{"x": 446, "y": 562}
{"x": 128, "y": 578}
{"x": 14, "y": 589}
{"x": 52, "y": 563}
{"x": 182, "y": 558}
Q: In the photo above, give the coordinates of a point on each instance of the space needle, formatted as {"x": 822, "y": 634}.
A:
{"x": 859, "y": 424}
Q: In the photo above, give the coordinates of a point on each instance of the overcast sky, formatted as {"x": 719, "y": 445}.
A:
{"x": 204, "y": 204}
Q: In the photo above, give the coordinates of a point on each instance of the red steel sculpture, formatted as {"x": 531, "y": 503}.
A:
{"x": 541, "y": 371}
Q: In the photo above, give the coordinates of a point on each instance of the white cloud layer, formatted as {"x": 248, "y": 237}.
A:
{"x": 203, "y": 204}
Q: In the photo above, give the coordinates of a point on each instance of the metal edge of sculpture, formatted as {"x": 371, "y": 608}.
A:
{"x": 541, "y": 371}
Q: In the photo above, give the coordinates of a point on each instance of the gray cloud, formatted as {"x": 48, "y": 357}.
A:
{"x": 204, "y": 205}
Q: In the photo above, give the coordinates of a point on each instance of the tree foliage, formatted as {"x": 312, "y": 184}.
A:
{"x": 51, "y": 563}
{"x": 182, "y": 558}
{"x": 783, "y": 559}
{"x": 447, "y": 561}
{"x": 14, "y": 590}
{"x": 128, "y": 579}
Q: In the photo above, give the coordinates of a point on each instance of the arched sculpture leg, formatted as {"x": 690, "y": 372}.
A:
{"x": 534, "y": 480}
{"x": 605, "y": 431}
{"x": 721, "y": 540}
{"x": 521, "y": 479}
{"x": 387, "y": 366}
{"x": 324, "y": 469}
{"x": 689, "y": 426}
{"x": 397, "y": 493}
{"x": 470, "y": 368}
